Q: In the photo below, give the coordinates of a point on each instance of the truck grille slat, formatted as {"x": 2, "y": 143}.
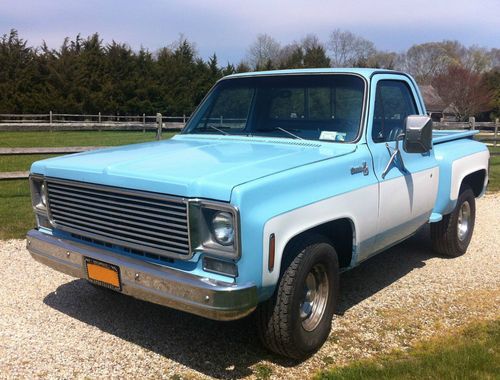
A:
{"x": 125, "y": 226}
{"x": 99, "y": 206}
{"x": 92, "y": 227}
{"x": 112, "y": 238}
{"x": 148, "y": 222}
{"x": 158, "y": 201}
{"x": 120, "y": 204}
{"x": 159, "y": 225}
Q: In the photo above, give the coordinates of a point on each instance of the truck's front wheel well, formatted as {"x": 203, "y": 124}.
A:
{"x": 475, "y": 181}
{"x": 339, "y": 232}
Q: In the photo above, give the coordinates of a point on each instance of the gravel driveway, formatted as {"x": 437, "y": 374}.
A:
{"x": 54, "y": 326}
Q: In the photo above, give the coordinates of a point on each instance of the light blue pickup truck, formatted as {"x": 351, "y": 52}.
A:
{"x": 279, "y": 181}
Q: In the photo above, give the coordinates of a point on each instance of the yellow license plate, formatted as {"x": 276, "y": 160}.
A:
{"x": 102, "y": 273}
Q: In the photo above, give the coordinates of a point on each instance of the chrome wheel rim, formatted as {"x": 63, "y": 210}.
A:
{"x": 463, "y": 224}
{"x": 315, "y": 297}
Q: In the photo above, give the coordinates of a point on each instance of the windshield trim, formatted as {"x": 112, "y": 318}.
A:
{"x": 362, "y": 123}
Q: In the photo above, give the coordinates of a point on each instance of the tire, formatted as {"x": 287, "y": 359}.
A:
{"x": 294, "y": 323}
{"x": 452, "y": 235}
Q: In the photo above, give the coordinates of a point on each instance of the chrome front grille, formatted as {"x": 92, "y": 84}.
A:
{"x": 143, "y": 221}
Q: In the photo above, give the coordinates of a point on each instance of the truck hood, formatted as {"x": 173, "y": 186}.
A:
{"x": 190, "y": 165}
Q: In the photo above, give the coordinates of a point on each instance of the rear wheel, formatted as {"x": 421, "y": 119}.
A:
{"x": 452, "y": 235}
{"x": 296, "y": 321}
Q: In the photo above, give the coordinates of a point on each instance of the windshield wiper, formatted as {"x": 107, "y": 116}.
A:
{"x": 288, "y": 133}
{"x": 217, "y": 129}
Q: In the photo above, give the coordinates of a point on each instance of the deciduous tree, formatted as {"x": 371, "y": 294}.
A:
{"x": 492, "y": 80}
{"x": 466, "y": 91}
{"x": 425, "y": 61}
{"x": 348, "y": 49}
{"x": 264, "y": 52}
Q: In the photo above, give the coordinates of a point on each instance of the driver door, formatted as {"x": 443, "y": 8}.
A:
{"x": 408, "y": 187}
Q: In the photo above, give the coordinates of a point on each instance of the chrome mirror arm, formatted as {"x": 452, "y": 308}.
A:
{"x": 395, "y": 154}
{"x": 391, "y": 160}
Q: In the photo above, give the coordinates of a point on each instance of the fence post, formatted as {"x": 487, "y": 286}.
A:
{"x": 50, "y": 120}
{"x": 440, "y": 125}
{"x": 472, "y": 123}
{"x": 159, "y": 122}
{"x": 99, "y": 120}
{"x": 496, "y": 132}
{"x": 184, "y": 119}
{"x": 143, "y": 123}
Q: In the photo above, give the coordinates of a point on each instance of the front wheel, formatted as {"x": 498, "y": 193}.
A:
{"x": 296, "y": 321}
{"x": 452, "y": 235}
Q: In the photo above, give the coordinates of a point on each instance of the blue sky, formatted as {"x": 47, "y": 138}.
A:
{"x": 229, "y": 27}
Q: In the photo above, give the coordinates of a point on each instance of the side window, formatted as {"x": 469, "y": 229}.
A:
{"x": 393, "y": 103}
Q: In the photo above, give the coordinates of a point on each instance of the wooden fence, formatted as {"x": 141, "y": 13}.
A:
{"x": 488, "y": 129}
{"x": 140, "y": 122}
{"x": 98, "y": 122}
{"x": 471, "y": 124}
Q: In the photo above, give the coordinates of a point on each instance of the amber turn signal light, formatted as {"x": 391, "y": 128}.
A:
{"x": 272, "y": 249}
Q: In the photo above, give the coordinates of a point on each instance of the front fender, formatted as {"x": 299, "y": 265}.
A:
{"x": 293, "y": 201}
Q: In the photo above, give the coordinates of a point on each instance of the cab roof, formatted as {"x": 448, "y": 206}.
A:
{"x": 364, "y": 72}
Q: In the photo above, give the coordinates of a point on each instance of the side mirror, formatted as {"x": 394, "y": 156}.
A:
{"x": 418, "y": 134}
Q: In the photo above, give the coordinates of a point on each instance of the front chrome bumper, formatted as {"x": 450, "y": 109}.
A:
{"x": 165, "y": 286}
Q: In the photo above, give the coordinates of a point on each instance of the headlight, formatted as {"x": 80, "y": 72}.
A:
{"x": 223, "y": 228}
{"x": 214, "y": 229}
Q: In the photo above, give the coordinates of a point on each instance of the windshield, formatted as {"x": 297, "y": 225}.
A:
{"x": 324, "y": 107}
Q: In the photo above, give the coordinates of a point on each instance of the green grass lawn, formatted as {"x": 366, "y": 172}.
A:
{"x": 16, "y": 214}
{"x": 76, "y": 138}
{"x": 20, "y": 162}
{"x": 494, "y": 184}
{"x": 63, "y": 139}
{"x": 474, "y": 353}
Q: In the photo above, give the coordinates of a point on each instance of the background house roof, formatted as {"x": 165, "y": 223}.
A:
{"x": 432, "y": 100}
